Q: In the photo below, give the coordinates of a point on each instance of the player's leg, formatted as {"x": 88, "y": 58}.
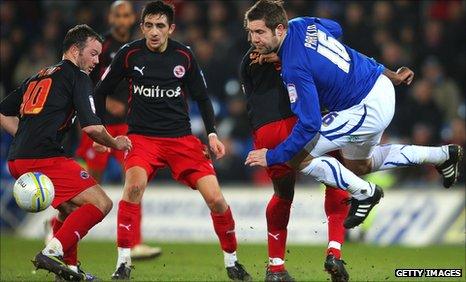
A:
{"x": 190, "y": 164}
{"x": 136, "y": 178}
{"x": 138, "y": 249}
{"x": 71, "y": 183}
{"x": 140, "y": 165}
{"x": 277, "y": 216}
{"x": 353, "y": 127}
{"x": 336, "y": 210}
{"x": 331, "y": 172}
{"x": 278, "y": 209}
{"x": 389, "y": 156}
{"x": 224, "y": 225}
{"x": 71, "y": 255}
{"x": 93, "y": 204}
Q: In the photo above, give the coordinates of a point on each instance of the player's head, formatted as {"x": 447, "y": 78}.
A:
{"x": 82, "y": 46}
{"x": 157, "y": 24}
{"x": 121, "y": 17}
{"x": 266, "y": 23}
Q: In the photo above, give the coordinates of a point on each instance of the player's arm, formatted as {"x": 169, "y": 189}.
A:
{"x": 10, "y": 109}
{"x": 9, "y": 124}
{"x": 197, "y": 88}
{"x": 109, "y": 81}
{"x": 305, "y": 105}
{"x": 91, "y": 124}
{"x": 403, "y": 75}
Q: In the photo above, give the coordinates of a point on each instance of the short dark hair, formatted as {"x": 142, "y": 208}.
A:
{"x": 159, "y": 7}
{"x": 78, "y": 36}
{"x": 270, "y": 11}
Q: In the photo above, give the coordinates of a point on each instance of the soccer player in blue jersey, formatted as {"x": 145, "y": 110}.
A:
{"x": 321, "y": 73}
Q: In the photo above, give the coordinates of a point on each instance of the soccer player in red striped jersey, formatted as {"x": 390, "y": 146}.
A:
{"x": 162, "y": 73}
{"x": 38, "y": 114}
{"x": 121, "y": 20}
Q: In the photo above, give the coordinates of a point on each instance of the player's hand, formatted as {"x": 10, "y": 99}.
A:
{"x": 216, "y": 146}
{"x": 403, "y": 75}
{"x": 100, "y": 148}
{"x": 257, "y": 158}
{"x": 269, "y": 58}
{"x": 115, "y": 107}
{"x": 123, "y": 143}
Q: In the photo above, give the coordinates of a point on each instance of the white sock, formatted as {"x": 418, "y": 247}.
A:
{"x": 74, "y": 268}
{"x": 331, "y": 172}
{"x": 53, "y": 247}
{"x": 334, "y": 245}
{"x": 124, "y": 256}
{"x": 229, "y": 259}
{"x": 276, "y": 261}
{"x": 391, "y": 156}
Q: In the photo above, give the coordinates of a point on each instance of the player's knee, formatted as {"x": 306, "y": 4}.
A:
{"x": 359, "y": 167}
{"x": 284, "y": 187}
{"x": 65, "y": 209}
{"x": 104, "y": 204}
{"x": 107, "y": 205}
{"x": 133, "y": 192}
{"x": 217, "y": 203}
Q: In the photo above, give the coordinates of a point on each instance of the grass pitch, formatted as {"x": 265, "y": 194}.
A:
{"x": 204, "y": 262}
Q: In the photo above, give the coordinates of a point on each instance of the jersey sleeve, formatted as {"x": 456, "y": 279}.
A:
{"x": 331, "y": 26}
{"x": 197, "y": 89}
{"x": 83, "y": 101}
{"x": 109, "y": 81}
{"x": 305, "y": 104}
{"x": 10, "y": 105}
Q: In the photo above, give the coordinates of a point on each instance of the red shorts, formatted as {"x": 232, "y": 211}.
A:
{"x": 68, "y": 177}
{"x": 186, "y": 156}
{"x": 271, "y": 135}
{"x": 98, "y": 161}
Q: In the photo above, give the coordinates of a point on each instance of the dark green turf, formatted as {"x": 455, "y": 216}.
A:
{"x": 204, "y": 262}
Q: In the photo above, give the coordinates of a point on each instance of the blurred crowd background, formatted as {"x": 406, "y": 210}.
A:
{"x": 427, "y": 36}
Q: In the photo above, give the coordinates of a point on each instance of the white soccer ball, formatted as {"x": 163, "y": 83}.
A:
{"x": 33, "y": 191}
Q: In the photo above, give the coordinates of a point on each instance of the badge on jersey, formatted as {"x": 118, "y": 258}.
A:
{"x": 84, "y": 174}
{"x": 179, "y": 71}
{"x": 292, "y": 92}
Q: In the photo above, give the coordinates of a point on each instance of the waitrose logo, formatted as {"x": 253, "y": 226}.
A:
{"x": 156, "y": 91}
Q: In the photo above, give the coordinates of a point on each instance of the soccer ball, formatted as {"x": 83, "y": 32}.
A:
{"x": 33, "y": 191}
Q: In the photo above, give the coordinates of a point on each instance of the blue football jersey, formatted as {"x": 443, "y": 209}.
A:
{"x": 320, "y": 73}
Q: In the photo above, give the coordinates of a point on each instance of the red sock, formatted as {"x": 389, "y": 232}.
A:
{"x": 56, "y": 224}
{"x": 137, "y": 239}
{"x": 224, "y": 226}
{"x": 336, "y": 211}
{"x": 278, "y": 215}
{"x": 71, "y": 256}
{"x": 127, "y": 223}
{"x": 77, "y": 224}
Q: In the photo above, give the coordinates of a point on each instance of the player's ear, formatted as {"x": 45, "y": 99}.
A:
{"x": 171, "y": 29}
{"x": 141, "y": 25}
{"x": 280, "y": 30}
{"x": 74, "y": 50}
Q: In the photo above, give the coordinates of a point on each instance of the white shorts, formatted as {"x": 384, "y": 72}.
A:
{"x": 357, "y": 130}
